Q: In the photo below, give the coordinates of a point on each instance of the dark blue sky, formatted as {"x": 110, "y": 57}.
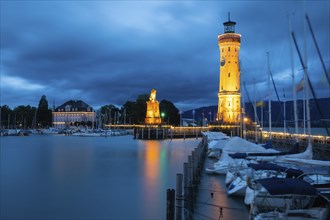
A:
{"x": 108, "y": 52}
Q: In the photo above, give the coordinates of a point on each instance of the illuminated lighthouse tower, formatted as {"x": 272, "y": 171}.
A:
{"x": 229, "y": 96}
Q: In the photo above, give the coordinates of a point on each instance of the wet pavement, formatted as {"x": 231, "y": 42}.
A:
{"x": 212, "y": 201}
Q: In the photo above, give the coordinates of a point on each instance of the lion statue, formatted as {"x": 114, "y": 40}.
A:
{"x": 152, "y": 97}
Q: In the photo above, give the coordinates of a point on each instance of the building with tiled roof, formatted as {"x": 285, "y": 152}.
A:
{"x": 73, "y": 113}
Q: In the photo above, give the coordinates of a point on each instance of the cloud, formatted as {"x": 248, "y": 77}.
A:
{"x": 109, "y": 52}
{"x": 8, "y": 82}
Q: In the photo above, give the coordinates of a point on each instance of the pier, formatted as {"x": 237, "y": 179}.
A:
{"x": 167, "y": 132}
{"x": 202, "y": 196}
{"x": 187, "y": 185}
{"x": 280, "y": 140}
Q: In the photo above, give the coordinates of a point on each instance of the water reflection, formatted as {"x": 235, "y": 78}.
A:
{"x": 152, "y": 158}
{"x": 63, "y": 177}
{"x": 151, "y": 172}
{"x": 71, "y": 164}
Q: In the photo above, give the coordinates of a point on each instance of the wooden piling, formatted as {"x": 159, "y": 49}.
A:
{"x": 170, "y": 204}
{"x": 185, "y": 188}
{"x": 178, "y": 212}
{"x": 190, "y": 184}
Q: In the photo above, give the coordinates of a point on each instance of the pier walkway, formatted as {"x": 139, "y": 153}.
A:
{"x": 212, "y": 201}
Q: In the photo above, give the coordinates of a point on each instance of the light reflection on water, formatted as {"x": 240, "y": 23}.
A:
{"x": 60, "y": 177}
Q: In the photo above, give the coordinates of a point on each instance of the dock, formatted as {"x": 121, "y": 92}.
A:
{"x": 280, "y": 140}
{"x": 202, "y": 196}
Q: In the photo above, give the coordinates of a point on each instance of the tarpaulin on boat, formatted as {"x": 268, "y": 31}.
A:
{"x": 285, "y": 186}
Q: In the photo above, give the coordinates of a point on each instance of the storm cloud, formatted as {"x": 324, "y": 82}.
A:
{"x": 108, "y": 52}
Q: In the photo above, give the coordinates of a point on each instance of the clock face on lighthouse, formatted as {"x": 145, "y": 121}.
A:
{"x": 223, "y": 61}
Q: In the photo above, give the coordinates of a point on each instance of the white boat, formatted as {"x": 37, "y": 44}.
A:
{"x": 87, "y": 134}
{"x": 259, "y": 171}
{"x": 286, "y": 198}
{"x": 236, "y": 145}
{"x": 49, "y": 131}
{"x": 216, "y": 146}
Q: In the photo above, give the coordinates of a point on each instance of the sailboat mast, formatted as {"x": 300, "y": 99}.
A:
{"x": 284, "y": 122}
{"x": 255, "y": 109}
{"x": 294, "y": 92}
{"x": 307, "y": 85}
{"x": 269, "y": 100}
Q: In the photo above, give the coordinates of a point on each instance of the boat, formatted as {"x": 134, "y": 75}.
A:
{"x": 239, "y": 185}
{"x": 234, "y": 155}
{"x": 87, "y": 134}
{"x": 49, "y": 131}
{"x": 216, "y": 146}
{"x": 287, "y": 198}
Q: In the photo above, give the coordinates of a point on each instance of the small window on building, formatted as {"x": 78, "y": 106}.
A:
{"x": 228, "y": 74}
{"x": 222, "y": 50}
{"x": 228, "y": 48}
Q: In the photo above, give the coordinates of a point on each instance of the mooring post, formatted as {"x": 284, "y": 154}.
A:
{"x": 157, "y": 133}
{"x": 193, "y": 168}
{"x": 170, "y": 202}
{"x": 149, "y": 133}
{"x": 142, "y": 133}
{"x": 190, "y": 184}
{"x": 178, "y": 212}
{"x": 185, "y": 188}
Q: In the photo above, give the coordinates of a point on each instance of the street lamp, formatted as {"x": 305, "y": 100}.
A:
{"x": 193, "y": 112}
{"x": 162, "y": 115}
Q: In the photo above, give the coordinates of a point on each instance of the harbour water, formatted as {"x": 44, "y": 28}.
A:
{"x": 63, "y": 177}
{"x": 66, "y": 177}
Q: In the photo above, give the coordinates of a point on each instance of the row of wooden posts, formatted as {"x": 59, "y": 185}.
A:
{"x": 186, "y": 185}
{"x": 161, "y": 133}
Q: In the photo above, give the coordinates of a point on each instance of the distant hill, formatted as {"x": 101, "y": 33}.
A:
{"x": 277, "y": 112}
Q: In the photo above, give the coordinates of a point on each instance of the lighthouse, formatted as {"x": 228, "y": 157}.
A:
{"x": 229, "y": 96}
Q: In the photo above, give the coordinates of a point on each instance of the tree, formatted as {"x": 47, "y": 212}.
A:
{"x": 171, "y": 113}
{"x": 136, "y": 110}
{"x": 129, "y": 107}
{"x": 6, "y": 114}
{"x": 141, "y": 108}
{"x": 44, "y": 115}
{"x": 24, "y": 116}
{"x": 108, "y": 113}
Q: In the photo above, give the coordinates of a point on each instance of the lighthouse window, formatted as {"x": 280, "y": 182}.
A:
{"x": 228, "y": 74}
{"x": 235, "y": 49}
{"x": 228, "y": 48}
{"x": 222, "y": 50}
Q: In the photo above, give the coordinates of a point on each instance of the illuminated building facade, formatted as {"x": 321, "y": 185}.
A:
{"x": 229, "y": 96}
{"x": 73, "y": 113}
{"x": 153, "y": 114}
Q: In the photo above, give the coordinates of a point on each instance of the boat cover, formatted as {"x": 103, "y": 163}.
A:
{"x": 291, "y": 172}
{"x": 285, "y": 186}
{"x": 238, "y": 155}
{"x": 267, "y": 166}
